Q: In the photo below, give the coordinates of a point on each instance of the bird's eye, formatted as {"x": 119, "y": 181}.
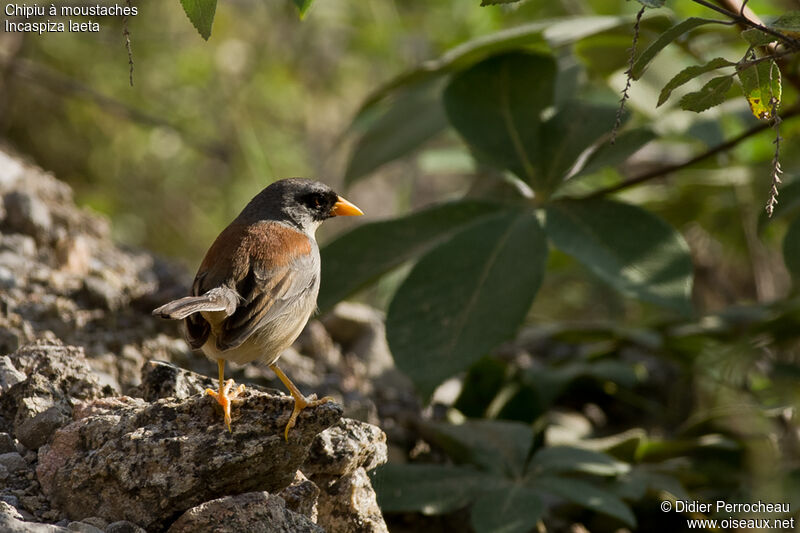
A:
{"x": 316, "y": 202}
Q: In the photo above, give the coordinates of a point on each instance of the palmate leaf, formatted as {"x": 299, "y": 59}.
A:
{"x": 495, "y": 106}
{"x": 762, "y": 88}
{"x": 611, "y": 155}
{"x": 712, "y": 94}
{"x": 644, "y": 59}
{"x": 359, "y": 257}
{"x": 201, "y": 14}
{"x": 628, "y": 247}
{"x": 429, "y": 489}
{"x": 466, "y": 296}
{"x": 690, "y": 73}
{"x": 586, "y": 495}
{"x": 561, "y": 459}
{"x": 513, "y": 508}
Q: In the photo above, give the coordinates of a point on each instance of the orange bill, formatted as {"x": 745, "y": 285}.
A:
{"x": 343, "y": 208}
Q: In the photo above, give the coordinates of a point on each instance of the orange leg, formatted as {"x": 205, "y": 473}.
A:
{"x": 300, "y": 401}
{"x": 224, "y": 396}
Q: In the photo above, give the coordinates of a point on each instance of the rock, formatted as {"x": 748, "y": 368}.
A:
{"x": 11, "y": 521}
{"x": 83, "y": 527}
{"x": 164, "y": 380}
{"x": 56, "y": 377}
{"x": 123, "y": 526}
{"x": 349, "y": 504}
{"x": 301, "y": 496}
{"x": 27, "y": 214}
{"x": 7, "y": 443}
{"x": 9, "y": 376}
{"x": 154, "y": 461}
{"x": 256, "y": 512}
{"x": 346, "y": 446}
{"x": 13, "y": 462}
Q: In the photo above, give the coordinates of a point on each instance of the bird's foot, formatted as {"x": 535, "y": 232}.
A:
{"x": 300, "y": 403}
{"x": 224, "y": 398}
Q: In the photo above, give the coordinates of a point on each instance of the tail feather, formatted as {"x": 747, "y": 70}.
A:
{"x": 219, "y": 299}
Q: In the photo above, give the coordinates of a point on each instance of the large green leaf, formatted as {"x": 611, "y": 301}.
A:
{"x": 429, "y": 489}
{"x": 611, "y": 155}
{"x": 566, "y": 135}
{"x": 711, "y": 94}
{"x": 496, "y": 445}
{"x": 201, "y": 14}
{"x": 411, "y": 118}
{"x": 496, "y": 106}
{"x": 539, "y": 34}
{"x": 510, "y": 509}
{"x": 644, "y": 59}
{"x": 791, "y": 250}
{"x": 586, "y": 495}
{"x": 360, "y": 256}
{"x": 558, "y": 459}
{"x": 788, "y": 22}
{"x": 630, "y": 248}
{"x": 302, "y": 6}
{"x": 465, "y": 297}
{"x": 688, "y": 74}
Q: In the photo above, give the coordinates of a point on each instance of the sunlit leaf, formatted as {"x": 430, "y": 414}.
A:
{"x": 360, "y": 256}
{"x": 465, "y": 297}
{"x": 756, "y": 37}
{"x": 559, "y": 459}
{"x": 510, "y": 509}
{"x": 688, "y": 74}
{"x": 628, "y": 247}
{"x": 201, "y": 14}
{"x": 496, "y": 106}
{"x": 712, "y": 94}
{"x": 644, "y": 59}
{"x": 762, "y": 88}
{"x": 788, "y": 22}
{"x": 611, "y": 155}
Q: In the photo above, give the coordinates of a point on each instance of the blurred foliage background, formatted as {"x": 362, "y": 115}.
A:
{"x": 609, "y": 404}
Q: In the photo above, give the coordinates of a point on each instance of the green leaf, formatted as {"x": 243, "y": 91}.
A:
{"x": 411, "y": 118}
{"x": 628, "y": 247}
{"x": 498, "y": 446}
{"x": 511, "y": 509}
{"x": 558, "y": 459}
{"x": 612, "y": 155}
{"x": 497, "y": 2}
{"x": 652, "y": 3}
{"x": 496, "y": 106}
{"x": 429, "y": 489}
{"x": 201, "y": 14}
{"x": 465, "y": 297}
{"x": 566, "y": 135}
{"x": 302, "y": 6}
{"x": 644, "y": 59}
{"x": 756, "y": 37}
{"x": 712, "y": 94}
{"x": 362, "y": 255}
{"x": 689, "y": 74}
{"x": 540, "y": 34}
{"x": 788, "y": 22}
{"x": 762, "y": 88}
{"x": 791, "y": 250}
{"x": 483, "y": 381}
{"x": 587, "y": 495}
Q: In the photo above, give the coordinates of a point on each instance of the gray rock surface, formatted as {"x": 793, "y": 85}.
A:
{"x": 11, "y": 521}
{"x": 346, "y": 446}
{"x": 349, "y": 504}
{"x": 123, "y": 526}
{"x": 155, "y": 460}
{"x": 301, "y": 496}
{"x": 254, "y": 512}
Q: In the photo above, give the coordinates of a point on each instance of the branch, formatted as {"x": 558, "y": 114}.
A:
{"x": 747, "y": 22}
{"x": 668, "y": 169}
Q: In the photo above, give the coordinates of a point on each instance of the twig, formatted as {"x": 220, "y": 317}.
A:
{"x": 127, "y": 36}
{"x": 776, "y": 170}
{"x": 747, "y": 22}
{"x": 723, "y": 147}
{"x": 628, "y": 77}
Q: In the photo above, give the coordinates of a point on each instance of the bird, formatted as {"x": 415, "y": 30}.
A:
{"x": 257, "y": 286}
